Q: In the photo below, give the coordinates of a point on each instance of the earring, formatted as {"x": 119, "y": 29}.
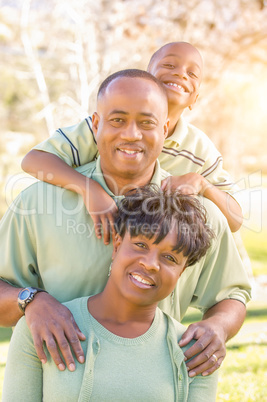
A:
{"x": 172, "y": 298}
{"x": 109, "y": 270}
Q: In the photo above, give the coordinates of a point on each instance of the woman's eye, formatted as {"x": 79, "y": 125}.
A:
{"x": 170, "y": 258}
{"x": 141, "y": 245}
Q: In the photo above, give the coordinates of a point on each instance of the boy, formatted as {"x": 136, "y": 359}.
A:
{"x": 188, "y": 154}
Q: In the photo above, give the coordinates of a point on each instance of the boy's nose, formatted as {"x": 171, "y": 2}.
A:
{"x": 180, "y": 72}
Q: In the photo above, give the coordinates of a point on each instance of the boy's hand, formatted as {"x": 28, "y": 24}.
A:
{"x": 51, "y": 322}
{"x": 102, "y": 209}
{"x": 190, "y": 183}
{"x": 209, "y": 347}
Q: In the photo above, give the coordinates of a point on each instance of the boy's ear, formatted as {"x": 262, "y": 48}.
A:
{"x": 191, "y": 106}
{"x": 95, "y": 123}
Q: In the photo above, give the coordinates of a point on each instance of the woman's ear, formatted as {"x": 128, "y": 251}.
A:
{"x": 116, "y": 245}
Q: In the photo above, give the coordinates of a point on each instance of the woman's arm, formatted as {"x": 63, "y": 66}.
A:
{"x": 23, "y": 379}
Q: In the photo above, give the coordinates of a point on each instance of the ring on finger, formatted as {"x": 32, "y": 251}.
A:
{"x": 215, "y": 357}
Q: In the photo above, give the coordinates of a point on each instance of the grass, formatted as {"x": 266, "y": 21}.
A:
{"x": 255, "y": 244}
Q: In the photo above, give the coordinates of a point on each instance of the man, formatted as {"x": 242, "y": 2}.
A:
{"x": 48, "y": 238}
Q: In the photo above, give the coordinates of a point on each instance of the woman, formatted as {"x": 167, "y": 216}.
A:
{"x": 131, "y": 347}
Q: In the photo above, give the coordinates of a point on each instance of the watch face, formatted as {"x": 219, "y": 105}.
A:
{"x": 24, "y": 294}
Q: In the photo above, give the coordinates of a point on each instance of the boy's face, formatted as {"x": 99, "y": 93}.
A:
{"x": 179, "y": 67}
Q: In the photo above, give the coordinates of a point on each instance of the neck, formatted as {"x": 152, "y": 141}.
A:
{"x": 130, "y": 320}
{"x": 120, "y": 185}
{"x": 174, "y": 114}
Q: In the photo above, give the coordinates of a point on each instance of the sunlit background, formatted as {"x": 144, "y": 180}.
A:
{"x": 54, "y": 54}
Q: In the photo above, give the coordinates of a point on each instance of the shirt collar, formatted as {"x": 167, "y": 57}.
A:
{"x": 97, "y": 175}
{"x": 180, "y": 131}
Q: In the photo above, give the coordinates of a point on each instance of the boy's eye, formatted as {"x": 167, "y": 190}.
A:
{"x": 168, "y": 65}
{"x": 192, "y": 74}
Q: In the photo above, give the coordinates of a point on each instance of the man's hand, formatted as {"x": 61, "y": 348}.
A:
{"x": 220, "y": 323}
{"x": 51, "y": 322}
{"x": 102, "y": 208}
{"x": 190, "y": 183}
{"x": 209, "y": 347}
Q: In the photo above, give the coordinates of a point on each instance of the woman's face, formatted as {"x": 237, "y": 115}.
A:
{"x": 146, "y": 273}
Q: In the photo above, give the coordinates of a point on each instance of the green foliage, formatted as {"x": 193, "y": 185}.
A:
{"x": 255, "y": 244}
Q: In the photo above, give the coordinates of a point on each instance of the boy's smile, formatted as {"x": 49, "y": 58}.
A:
{"x": 179, "y": 67}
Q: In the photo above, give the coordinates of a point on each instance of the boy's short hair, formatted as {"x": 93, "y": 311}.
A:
{"x": 151, "y": 212}
{"x": 131, "y": 73}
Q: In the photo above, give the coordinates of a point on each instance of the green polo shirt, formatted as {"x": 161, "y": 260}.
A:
{"x": 48, "y": 241}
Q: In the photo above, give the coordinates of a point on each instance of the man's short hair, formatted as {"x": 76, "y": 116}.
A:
{"x": 151, "y": 212}
{"x": 130, "y": 73}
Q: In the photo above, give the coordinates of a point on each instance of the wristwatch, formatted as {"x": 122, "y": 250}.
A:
{"x": 26, "y": 295}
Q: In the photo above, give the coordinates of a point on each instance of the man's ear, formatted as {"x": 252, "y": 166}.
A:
{"x": 166, "y": 128}
{"x": 191, "y": 106}
{"x": 95, "y": 123}
{"x": 116, "y": 245}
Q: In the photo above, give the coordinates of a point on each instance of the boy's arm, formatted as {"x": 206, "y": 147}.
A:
{"x": 50, "y": 168}
{"x": 194, "y": 183}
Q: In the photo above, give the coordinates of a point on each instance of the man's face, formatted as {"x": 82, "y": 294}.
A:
{"x": 179, "y": 67}
{"x": 130, "y": 127}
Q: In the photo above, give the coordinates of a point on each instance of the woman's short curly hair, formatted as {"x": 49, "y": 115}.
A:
{"x": 151, "y": 212}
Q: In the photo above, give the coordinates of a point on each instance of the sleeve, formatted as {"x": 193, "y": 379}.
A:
{"x": 75, "y": 145}
{"x": 18, "y": 248}
{"x": 223, "y": 275}
{"x": 23, "y": 380}
{"x": 203, "y": 389}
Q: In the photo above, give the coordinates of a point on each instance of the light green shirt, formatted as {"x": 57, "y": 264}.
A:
{"x": 48, "y": 241}
{"x": 149, "y": 368}
{"x": 187, "y": 150}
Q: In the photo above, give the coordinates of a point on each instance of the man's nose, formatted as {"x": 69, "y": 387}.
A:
{"x": 131, "y": 132}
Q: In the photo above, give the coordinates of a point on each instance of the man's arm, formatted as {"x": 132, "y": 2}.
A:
{"x": 220, "y": 323}
{"x": 48, "y": 320}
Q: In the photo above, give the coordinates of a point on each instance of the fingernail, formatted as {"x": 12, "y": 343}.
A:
{"x": 205, "y": 373}
{"x": 61, "y": 367}
{"x": 192, "y": 374}
{"x": 71, "y": 367}
{"x": 185, "y": 358}
{"x": 81, "y": 359}
{"x": 43, "y": 361}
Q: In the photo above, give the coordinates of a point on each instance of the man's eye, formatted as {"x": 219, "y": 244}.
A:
{"x": 117, "y": 120}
